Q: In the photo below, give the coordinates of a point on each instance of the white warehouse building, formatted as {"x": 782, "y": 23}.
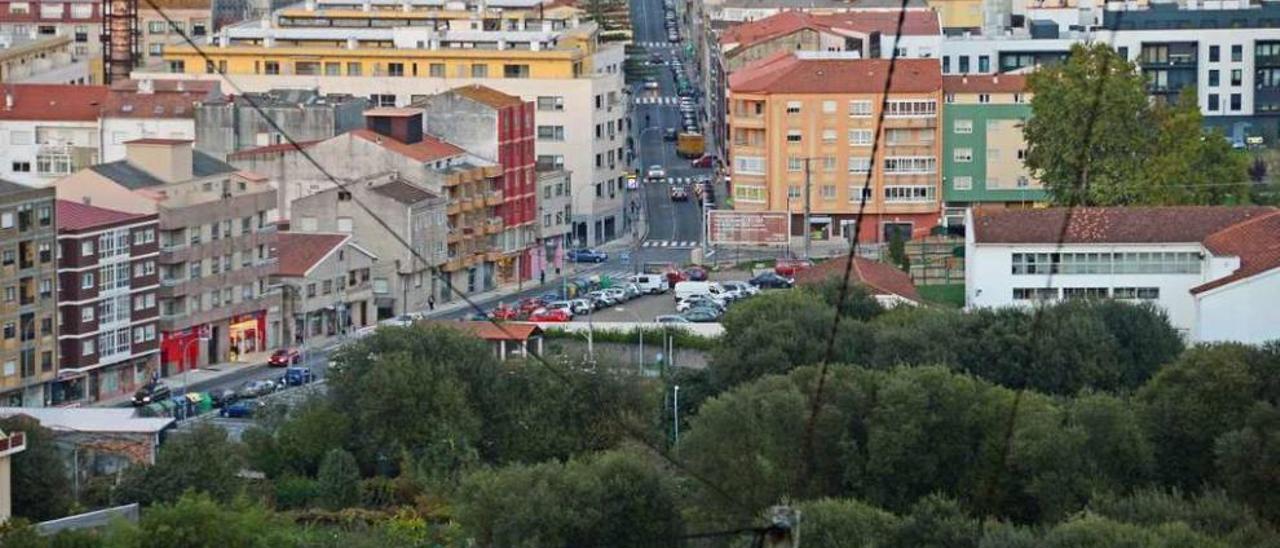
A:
{"x": 1214, "y": 270}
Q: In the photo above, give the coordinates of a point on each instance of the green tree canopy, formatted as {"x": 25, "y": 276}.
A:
{"x": 203, "y": 460}
{"x": 38, "y": 477}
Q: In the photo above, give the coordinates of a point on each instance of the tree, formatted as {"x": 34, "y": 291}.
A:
{"x": 1211, "y": 513}
{"x": 203, "y": 460}
{"x": 196, "y": 520}
{"x": 836, "y": 523}
{"x": 1090, "y": 128}
{"x": 1186, "y": 164}
{"x": 611, "y": 499}
{"x": 1248, "y": 461}
{"x": 937, "y": 522}
{"x": 39, "y": 482}
{"x": 898, "y": 251}
{"x": 339, "y": 480}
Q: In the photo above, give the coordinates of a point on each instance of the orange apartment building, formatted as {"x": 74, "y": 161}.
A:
{"x": 798, "y": 115}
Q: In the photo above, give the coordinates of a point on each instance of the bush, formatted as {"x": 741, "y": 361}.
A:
{"x": 378, "y": 492}
{"x": 297, "y": 493}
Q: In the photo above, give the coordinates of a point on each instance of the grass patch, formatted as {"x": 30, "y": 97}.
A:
{"x": 948, "y": 295}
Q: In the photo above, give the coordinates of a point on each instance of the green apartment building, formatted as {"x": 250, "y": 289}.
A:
{"x": 983, "y": 147}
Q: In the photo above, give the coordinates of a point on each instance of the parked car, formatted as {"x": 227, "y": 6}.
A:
{"x": 221, "y": 397}
{"x": 298, "y": 376}
{"x": 656, "y": 172}
{"x": 398, "y": 321}
{"x": 679, "y": 194}
{"x": 151, "y": 393}
{"x": 587, "y": 256}
{"x": 581, "y": 306}
{"x": 528, "y": 305}
{"x": 695, "y": 274}
{"x": 745, "y": 288}
{"x": 562, "y": 305}
{"x": 789, "y": 267}
{"x": 650, "y": 283}
{"x": 689, "y": 288}
{"x": 604, "y": 297}
{"x": 633, "y": 291}
{"x": 686, "y": 305}
{"x": 284, "y": 357}
{"x": 670, "y": 318}
{"x": 503, "y": 312}
{"x": 771, "y": 280}
{"x": 550, "y": 315}
{"x": 243, "y": 409}
{"x": 651, "y": 84}
{"x": 705, "y": 161}
{"x": 701, "y": 315}
{"x": 655, "y": 59}
{"x": 618, "y": 294}
{"x": 254, "y": 389}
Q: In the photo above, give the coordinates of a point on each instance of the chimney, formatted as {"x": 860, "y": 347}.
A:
{"x": 401, "y": 124}
{"x": 166, "y": 159}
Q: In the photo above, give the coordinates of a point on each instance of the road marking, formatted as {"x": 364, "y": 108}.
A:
{"x": 674, "y": 244}
{"x": 662, "y": 101}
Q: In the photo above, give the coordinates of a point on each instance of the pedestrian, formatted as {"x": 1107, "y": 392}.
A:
{"x": 431, "y": 303}
{"x": 542, "y": 277}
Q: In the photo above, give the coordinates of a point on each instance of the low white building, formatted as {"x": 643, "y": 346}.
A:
{"x": 48, "y": 131}
{"x": 1214, "y": 270}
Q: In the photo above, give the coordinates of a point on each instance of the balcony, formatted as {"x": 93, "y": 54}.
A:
{"x": 477, "y": 202}
{"x": 493, "y": 256}
{"x": 493, "y": 225}
{"x": 455, "y": 236}
{"x": 453, "y": 265}
{"x": 494, "y": 198}
{"x": 910, "y": 121}
{"x": 454, "y": 207}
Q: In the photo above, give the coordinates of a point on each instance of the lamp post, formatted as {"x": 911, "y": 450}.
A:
{"x": 675, "y": 415}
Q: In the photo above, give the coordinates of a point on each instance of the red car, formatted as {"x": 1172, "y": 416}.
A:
{"x": 503, "y": 312}
{"x": 530, "y": 305}
{"x": 284, "y": 357}
{"x": 789, "y": 267}
{"x": 695, "y": 274}
{"x": 705, "y": 161}
{"x": 550, "y": 315}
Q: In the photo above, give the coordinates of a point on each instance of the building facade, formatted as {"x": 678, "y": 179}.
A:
{"x": 48, "y": 131}
{"x": 81, "y": 20}
{"x": 809, "y": 119}
{"x": 543, "y": 54}
{"x": 229, "y": 124}
{"x": 28, "y": 270}
{"x": 983, "y": 149}
{"x": 108, "y": 281}
{"x": 143, "y": 109}
{"x": 327, "y": 286}
{"x": 871, "y": 34}
{"x": 555, "y": 225}
{"x": 192, "y": 17}
{"x": 217, "y": 230}
{"x": 42, "y": 60}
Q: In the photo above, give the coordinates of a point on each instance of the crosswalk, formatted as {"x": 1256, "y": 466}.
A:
{"x": 662, "y": 101}
{"x": 669, "y": 243}
{"x": 680, "y": 180}
{"x": 654, "y": 44}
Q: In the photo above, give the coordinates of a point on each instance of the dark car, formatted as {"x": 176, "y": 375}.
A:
{"x": 151, "y": 393}
{"x": 771, "y": 280}
{"x": 222, "y": 397}
{"x": 701, "y": 315}
{"x": 587, "y": 256}
{"x": 243, "y": 409}
{"x": 297, "y": 376}
{"x": 284, "y": 357}
{"x": 679, "y": 194}
{"x": 695, "y": 274}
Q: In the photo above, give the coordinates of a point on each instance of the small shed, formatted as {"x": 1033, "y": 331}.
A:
{"x": 508, "y": 339}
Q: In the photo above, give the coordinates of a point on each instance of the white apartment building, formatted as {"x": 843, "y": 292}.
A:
{"x": 48, "y": 131}
{"x": 1213, "y": 270}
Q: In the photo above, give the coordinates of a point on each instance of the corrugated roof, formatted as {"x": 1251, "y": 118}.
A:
{"x": 914, "y": 23}
{"x": 784, "y": 72}
{"x": 75, "y": 216}
{"x": 1109, "y": 225}
{"x": 403, "y": 191}
{"x": 299, "y": 252}
{"x": 428, "y": 149}
{"x": 53, "y": 102}
{"x": 985, "y": 83}
{"x": 879, "y": 278}
{"x": 1255, "y": 241}
{"x": 90, "y": 419}
{"x": 487, "y": 96}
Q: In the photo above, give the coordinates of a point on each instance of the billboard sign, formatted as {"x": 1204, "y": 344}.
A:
{"x": 747, "y": 227}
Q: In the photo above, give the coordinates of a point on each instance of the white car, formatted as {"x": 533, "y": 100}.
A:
{"x": 567, "y": 306}
{"x": 744, "y": 288}
{"x": 656, "y": 172}
{"x": 651, "y": 84}
{"x": 580, "y": 306}
{"x": 683, "y": 305}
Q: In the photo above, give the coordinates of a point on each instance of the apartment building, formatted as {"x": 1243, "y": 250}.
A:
{"x": 546, "y": 54}
{"x": 983, "y": 149}
{"x": 383, "y": 212}
{"x": 217, "y": 229}
{"x": 233, "y": 123}
{"x": 871, "y": 34}
{"x": 810, "y": 118}
{"x": 192, "y": 17}
{"x": 327, "y": 286}
{"x": 108, "y": 281}
{"x": 737, "y": 11}
{"x": 48, "y": 131}
{"x": 555, "y": 227}
{"x": 80, "y": 20}
{"x": 1213, "y": 270}
{"x": 498, "y": 128}
{"x": 144, "y": 109}
{"x": 42, "y": 60}
{"x": 28, "y": 368}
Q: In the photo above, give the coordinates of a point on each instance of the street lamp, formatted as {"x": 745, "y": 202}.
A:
{"x": 640, "y": 328}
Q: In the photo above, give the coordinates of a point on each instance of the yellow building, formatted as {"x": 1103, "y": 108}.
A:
{"x": 812, "y": 116}
{"x": 959, "y": 14}
{"x": 192, "y": 17}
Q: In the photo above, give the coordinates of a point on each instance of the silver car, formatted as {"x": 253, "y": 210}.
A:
{"x": 619, "y": 294}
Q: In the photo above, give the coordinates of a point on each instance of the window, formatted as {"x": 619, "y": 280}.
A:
{"x": 910, "y": 165}
{"x": 1235, "y": 102}
{"x": 912, "y": 193}
{"x": 1213, "y": 77}
{"x": 479, "y": 71}
{"x": 828, "y": 136}
{"x": 859, "y": 108}
{"x": 859, "y": 193}
{"x": 1035, "y": 293}
{"x": 753, "y": 165}
{"x": 984, "y": 64}
{"x": 155, "y": 27}
{"x": 912, "y": 108}
{"x": 793, "y": 192}
{"x": 794, "y": 136}
{"x": 1213, "y": 102}
{"x": 860, "y": 137}
{"x": 550, "y": 133}
{"x": 271, "y": 67}
{"x": 793, "y": 107}
{"x": 395, "y": 69}
{"x": 859, "y": 164}
{"x": 962, "y": 126}
{"x": 1106, "y": 263}
{"x": 345, "y": 225}
{"x": 86, "y": 313}
{"x": 22, "y": 138}
{"x": 1084, "y": 293}
{"x": 305, "y": 68}
{"x": 1215, "y": 54}
{"x": 828, "y": 164}
{"x": 515, "y": 71}
{"x": 21, "y": 167}
{"x": 87, "y": 347}
{"x": 550, "y": 162}
{"x": 354, "y": 69}
{"x": 946, "y": 64}
{"x": 795, "y": 164}
{"x": 1237, "y": 77}
{"x": 984, "y": 98}
{"x": 828, "y": 192}
{"x": 828, "y": 107}
{"x": 962, "y": 155}
{"x": 1237, "y": 53}
{"x": 550, "y": 103}
{"x": 10, "y": 294}
{"x": 86, "y": 280}
{"x": 1142, "y": 293}
{"x": 964, "y": 182}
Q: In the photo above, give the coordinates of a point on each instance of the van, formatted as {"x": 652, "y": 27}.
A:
{"x": 649, "y": 283}
{"x": 708, "y": 289}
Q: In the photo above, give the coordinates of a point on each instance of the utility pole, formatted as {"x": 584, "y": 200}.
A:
{"x": 675, "y": 415}
{"x": 806, "y": 208}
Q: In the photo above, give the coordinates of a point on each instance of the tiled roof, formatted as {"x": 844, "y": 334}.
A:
{"x": 133, "y": 178}
{"x": 269, "y": 149}
{"x": 508, "y": 331}
{"x": 879, "y": 278}
{"x": 75, "y": 216}
{"x": 9, "y": 187}
{"x": 975, "y": 83}
{"x": 53, "y": 102}
{"x": 299, "y": 252}
{"x": 914, "y": 23}
{"x": 403, "y": 192}
{"x": 487, "y": 96}
{"x": 428, "y": 149}
{"x": 1108, "y": 225}
{"x": 1255, "y": 241}
{"x": 784, "y": 72}
{"x": 166, "y": 101}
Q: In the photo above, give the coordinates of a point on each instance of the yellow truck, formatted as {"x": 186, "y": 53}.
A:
{"x": 690, "y": 145}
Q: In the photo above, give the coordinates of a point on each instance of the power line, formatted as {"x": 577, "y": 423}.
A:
{"x": 293, "y": 144}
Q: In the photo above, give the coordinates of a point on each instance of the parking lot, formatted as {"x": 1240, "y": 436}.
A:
{"x": 648, "y": 307}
